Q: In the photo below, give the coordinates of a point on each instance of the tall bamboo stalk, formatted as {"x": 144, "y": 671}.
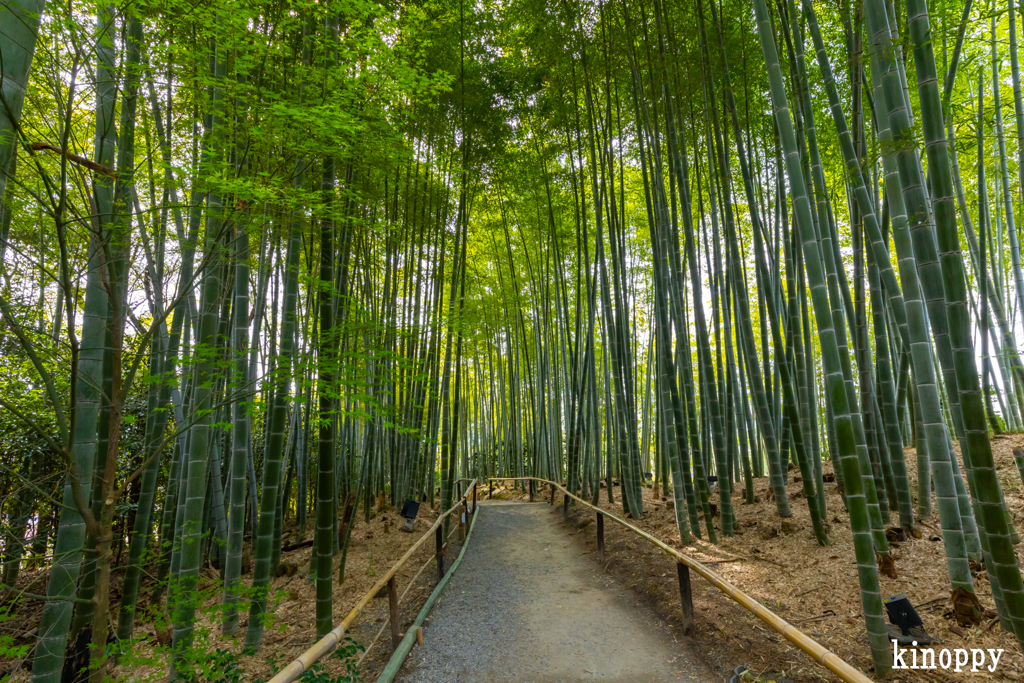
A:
{"x": 867, "y": 569}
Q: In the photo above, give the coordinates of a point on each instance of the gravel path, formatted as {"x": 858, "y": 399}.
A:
{"x": 526, "y": 605}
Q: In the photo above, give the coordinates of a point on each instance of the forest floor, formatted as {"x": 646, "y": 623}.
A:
{"x": 292, "y": 630}
{"x": 814, "y": 588}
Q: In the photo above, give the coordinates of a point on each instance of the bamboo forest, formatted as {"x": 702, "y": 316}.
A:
{"x": 744, "y": 275}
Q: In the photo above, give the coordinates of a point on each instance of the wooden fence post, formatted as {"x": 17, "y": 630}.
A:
{"x": 474, "y": 499}
{"x": 565, "y": 505}
{"x": 463, "y": 516}
{"x": 530, "y": 487}
{"x": 600, "y": 537}
{"x": 438, "y": 538}
{"x": 393, "y": 609}
{"x": 490, "y": 492}
{"x": 552, "y": 487}
{"x": 686, "y": 598}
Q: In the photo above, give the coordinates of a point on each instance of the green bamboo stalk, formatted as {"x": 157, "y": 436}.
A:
{"x": 239, "y": 432}
{"x": 1018, "y": 457}
{"x": 156, "y": 424}
{"x": 864, "y": 547}
{"x": 668, "y": 395}
{"x": 785, "y": 381}
{"x": 195, "y": 464}
{"x": 991, "y": 512}
{"x": 996, "y": 309}
{"x": 89, "y": 378}
{"x": 839, "y": 295}
{"x": 685, "y": 408}
{"x": 743, "y": 318}
{"x": 326, "y": 486}
{"x": 21, "y": 20}
{"x": 14, "y": 540}
{"x": 1018, "y": 109}
{"x": 275, "y": 450}
{"x": 914, "y": 330}
{"x": 1007, "y": 207}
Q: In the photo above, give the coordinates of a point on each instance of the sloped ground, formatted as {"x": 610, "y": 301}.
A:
{"x": 812, "y": 587}
{"x": 789, "y": 573}
{"x": 525, "y": 604}
{"x": 292, "y": 629}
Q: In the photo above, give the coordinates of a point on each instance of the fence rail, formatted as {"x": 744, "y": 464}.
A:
{"x": 326, "y": 645}
{"x": 684, "y": 564}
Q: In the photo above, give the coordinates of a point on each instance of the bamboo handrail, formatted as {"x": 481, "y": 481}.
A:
{"x": 330, "y": 641}
{"x": 818, "y": 652}
{"x": 402, "y": 651}
{"x": 408, "y": 588}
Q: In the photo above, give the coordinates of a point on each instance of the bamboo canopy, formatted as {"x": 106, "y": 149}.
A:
{"x": 270, "y": 269}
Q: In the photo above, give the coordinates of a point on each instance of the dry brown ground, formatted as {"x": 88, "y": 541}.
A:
{"x": 812, "y": 587}
{"x": 292, "y": 630}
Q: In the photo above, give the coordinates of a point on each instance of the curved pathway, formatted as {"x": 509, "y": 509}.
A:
{"x": 527, "y": 605}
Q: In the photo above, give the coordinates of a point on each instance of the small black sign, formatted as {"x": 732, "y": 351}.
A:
{"x": 410, "y": 509}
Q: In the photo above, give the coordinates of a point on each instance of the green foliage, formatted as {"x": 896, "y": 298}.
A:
{"x": 347, "y": 653}
{"x": 8, "y": 649}
{"x": 505, "y": 122}
{"x": 205, "y": 662}
{"x": 218, "y": 666}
